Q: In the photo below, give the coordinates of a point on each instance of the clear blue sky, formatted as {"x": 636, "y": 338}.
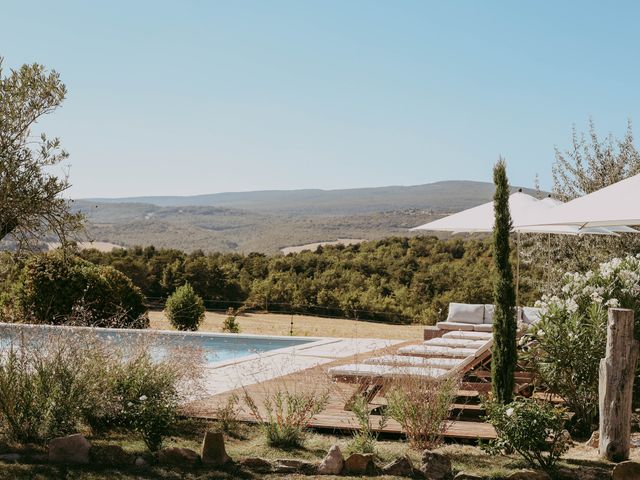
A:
{"x": 190, "y": 97}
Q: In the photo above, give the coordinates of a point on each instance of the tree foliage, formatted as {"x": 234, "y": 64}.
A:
{"x": 503, "y": 362}
{"x": 399, "y": 280}
{"x": 61, "y": 289}
{"x": 29, "y": 193}
{"x": 185, "y": 309}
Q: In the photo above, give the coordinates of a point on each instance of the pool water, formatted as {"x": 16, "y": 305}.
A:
{"x": 214, "y": 347}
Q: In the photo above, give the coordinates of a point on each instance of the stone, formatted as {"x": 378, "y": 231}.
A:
{"x": 466, "y": 476}
{"x": 435, "y": 466}
{"x": 626, "y": 471}
{"x": 293, "y": 466}
{"x": 10, "y": 457}
{"x": 332, "y": 463}
{"x": 69, "y": 449}
{"x": 256, "y": 464}
{"x": 594, "y": 440}
{"x": 400, "y": 467}
{"x": 359, "y": 464}
{"x": 140, "y": 462}
{"x": 178, "y": 456}
{"x": 529, "y": 475}
{"x": 111, "y": 455}
{"x": 213, "y": 451}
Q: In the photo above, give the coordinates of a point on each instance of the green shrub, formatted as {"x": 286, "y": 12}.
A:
{"x": 55, "y": 382}
{"x": 564, "y": 352}
{"x": 230, "y": 324}
{"x": 534, "y": 429}
{"x": 185, "y": 309}
{"x": 227, "y": 415}
{"x": 56, "y": 288}
{"x": 287, "y": 415}
{"x": 364, "y": 439}
{"x": 421, "y": 406}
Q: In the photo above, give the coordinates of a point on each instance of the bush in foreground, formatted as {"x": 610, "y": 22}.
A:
{"x": 533, "y": 429}
{"x": 55, "y": 383}
{"x": 185, "y": 309}
{"x": 59, "y": 288}
{"x": 421, "y": 406}
{"x": 287, "y": 415}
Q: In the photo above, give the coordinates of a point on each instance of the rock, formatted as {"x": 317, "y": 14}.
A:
{"x": 70, "y": 449}
{"x": 565, "y": 436}
{"x": 256, "y": 464}
{"x": 626, "y": 471}
{"x": 359, "y": 464}
{"x": 401, "y": 467}
{"x": 178, "y": 456}
{"x": 529, "y": 475}
{"x": 332, "y": 463}
{"x": 594, "y": 440}
{"x": 466, "y": 476}
{"x": 10, "y": 457}
{"x": 435, "y": 466}
{"x": 293, "y": 466}
{"x": 140, "y": 462}
{"x": 111, "y": 455}
{"x": 213, "y": 451}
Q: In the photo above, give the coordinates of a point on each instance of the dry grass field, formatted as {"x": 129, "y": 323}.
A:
{"x": 303, "y": 325}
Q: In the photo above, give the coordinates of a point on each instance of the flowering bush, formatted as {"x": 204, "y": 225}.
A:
{"x": 566, "y": 345}
{"x": 532, "y": 428}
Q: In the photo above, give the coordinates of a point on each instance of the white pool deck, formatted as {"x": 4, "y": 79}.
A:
{"x": 232, "y": 374}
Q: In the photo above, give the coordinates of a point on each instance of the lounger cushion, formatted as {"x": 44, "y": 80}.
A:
{"x": 530, "y": 315}
{"x": 437, "y": 351}
{"x": 444, "y": 363}
{"x": 455, "y": 326}
{"x": 488, "y": 313}
{"x": 485, "y": 327}
{"x": 363, "y": 370}
{"x": 465, "y": 313}
{"x": 468, "y": 335}
{"x": 455, "y": 342}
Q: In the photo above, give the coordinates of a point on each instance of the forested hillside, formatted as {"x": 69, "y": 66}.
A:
{"x": 395, "y": 279}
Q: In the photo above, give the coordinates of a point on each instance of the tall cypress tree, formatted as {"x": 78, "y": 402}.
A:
{"x": 503, "y": 363}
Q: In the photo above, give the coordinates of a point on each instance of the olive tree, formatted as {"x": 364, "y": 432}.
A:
{"x": 31, "y": 205}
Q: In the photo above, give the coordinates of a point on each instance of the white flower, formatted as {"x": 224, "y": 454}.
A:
{"x": 509, "y": 412}
{"x": 129, "y": 404}
{"x": 143, "y": 398}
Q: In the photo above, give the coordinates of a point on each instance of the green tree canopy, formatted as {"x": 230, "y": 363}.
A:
{"x": 31, "y": 205}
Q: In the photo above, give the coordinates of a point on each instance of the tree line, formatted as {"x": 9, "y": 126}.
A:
{"x": 396, "y": 279}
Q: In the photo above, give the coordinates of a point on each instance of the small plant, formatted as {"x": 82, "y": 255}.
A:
{"x": 230, "y": 324}
{"x": 185, "y": 309}
{"x": 421, "y": 406}
{"x": 364, "y": 439}
{"x": 227, "y": 415}
{"x": 287, "y": 415}
{"x": 534, "y": 429}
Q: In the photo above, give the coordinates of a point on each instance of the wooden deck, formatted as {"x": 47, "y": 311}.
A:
{"x": 464, "y": 423}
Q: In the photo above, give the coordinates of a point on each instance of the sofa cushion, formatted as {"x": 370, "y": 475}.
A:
{"x": 465, "y": 313}
{"x": 455, "y": 326}
{"x": 530, "y": 315}
{"x": 488, "y": 313}
{"x": 483, "y": 327}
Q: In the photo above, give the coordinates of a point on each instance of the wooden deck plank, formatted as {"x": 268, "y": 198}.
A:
{"x": 334, "y": 417}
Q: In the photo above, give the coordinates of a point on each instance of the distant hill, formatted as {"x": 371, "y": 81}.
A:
{"x": 267, "y": 221}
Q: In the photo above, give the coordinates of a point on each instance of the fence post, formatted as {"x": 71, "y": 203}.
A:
{"x": 616, "y": 375}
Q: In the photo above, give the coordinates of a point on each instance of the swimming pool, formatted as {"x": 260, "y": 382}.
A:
{"x": 216, "y": 348}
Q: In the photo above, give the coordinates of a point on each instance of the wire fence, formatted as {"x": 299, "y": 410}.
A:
{"x": 222, "y": 306}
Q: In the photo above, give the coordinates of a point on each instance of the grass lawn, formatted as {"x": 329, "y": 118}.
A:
{"x": 303, "y": 325}
{"x": 249, "y": 442}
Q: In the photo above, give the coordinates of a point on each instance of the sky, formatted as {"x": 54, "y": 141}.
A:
{"x": 191, "y": 97}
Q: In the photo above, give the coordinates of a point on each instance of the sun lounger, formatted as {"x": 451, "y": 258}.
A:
{"x": 422, "y": 350}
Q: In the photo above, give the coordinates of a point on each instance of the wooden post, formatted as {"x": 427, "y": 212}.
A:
{"x": 617, "y": 371}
